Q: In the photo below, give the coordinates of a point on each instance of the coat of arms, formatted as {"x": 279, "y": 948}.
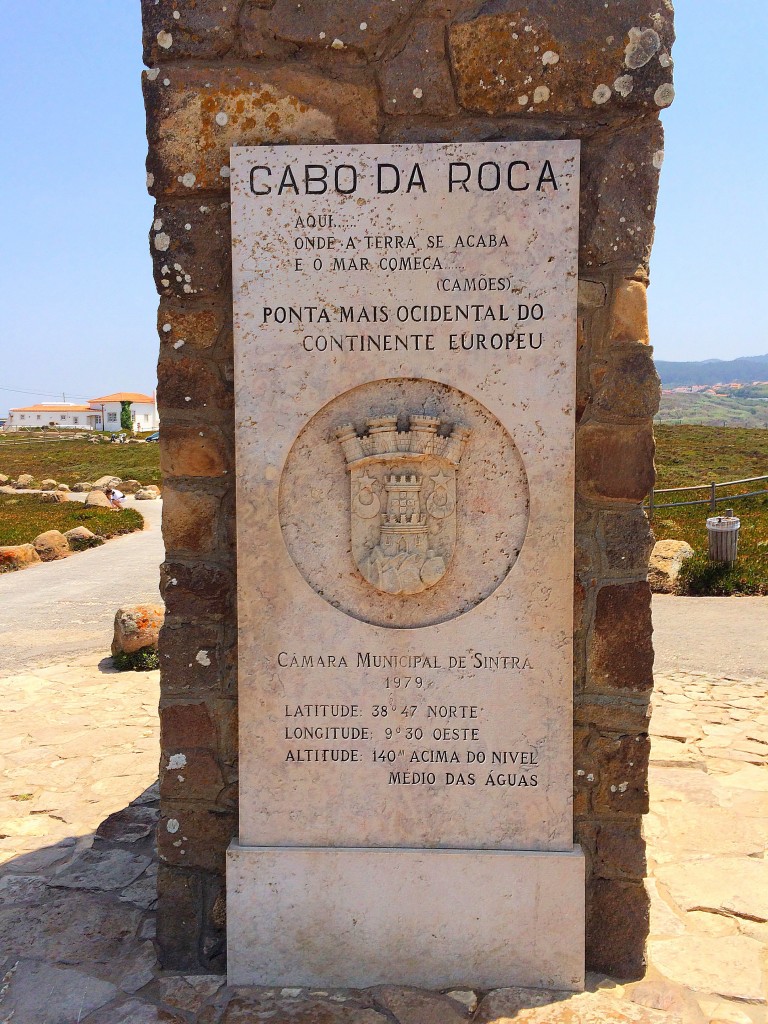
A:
{"x": 403, "y": 500}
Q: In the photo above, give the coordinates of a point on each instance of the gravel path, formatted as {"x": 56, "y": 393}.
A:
{"x": 60, "y": 609}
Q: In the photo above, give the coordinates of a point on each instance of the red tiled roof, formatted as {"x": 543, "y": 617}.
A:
{"x": 52, "y": 408}
{"x": 124, "y": 396}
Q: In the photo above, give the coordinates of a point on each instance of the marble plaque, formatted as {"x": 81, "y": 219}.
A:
{"x": 405, "y": 346}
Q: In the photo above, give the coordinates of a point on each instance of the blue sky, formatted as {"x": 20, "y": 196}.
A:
{"x": 78, "y": 316}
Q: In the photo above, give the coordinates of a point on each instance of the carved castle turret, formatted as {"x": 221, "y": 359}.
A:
{"x": 383, "y": 440}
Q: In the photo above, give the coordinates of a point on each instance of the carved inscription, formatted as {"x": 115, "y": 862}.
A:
{"x": 403, "y": 500}
{"x": 404, "y": 727}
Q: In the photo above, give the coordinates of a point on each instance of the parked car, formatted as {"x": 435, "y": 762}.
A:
{"x": 153, "y": 437}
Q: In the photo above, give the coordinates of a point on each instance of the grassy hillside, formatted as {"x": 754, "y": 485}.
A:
{"x": 70, "y": 461}
{"x": 24, "y": 516}
{"x": 697, "y": 454}
{"x": 746, "y": 407}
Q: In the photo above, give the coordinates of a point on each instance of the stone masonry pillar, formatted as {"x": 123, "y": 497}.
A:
{"x": 277, "y": 71}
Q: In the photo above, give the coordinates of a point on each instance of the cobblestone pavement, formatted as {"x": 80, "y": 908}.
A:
{"x": 79, "y": 756}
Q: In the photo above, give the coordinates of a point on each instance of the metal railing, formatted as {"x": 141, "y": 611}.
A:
{"x": 713, "y": 498}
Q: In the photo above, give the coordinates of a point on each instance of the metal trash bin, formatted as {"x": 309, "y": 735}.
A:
{"x": 723, "y": 533}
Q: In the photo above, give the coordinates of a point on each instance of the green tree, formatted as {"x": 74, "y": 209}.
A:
{"x": 125, "y": 416}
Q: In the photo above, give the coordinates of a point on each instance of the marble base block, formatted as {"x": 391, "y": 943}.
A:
{"x": 352, "y": 918}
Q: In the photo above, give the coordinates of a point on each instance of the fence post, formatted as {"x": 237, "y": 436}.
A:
{"x": 712, "y": 498}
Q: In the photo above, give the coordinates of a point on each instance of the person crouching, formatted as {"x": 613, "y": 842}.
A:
{"x": 116, "y": 498}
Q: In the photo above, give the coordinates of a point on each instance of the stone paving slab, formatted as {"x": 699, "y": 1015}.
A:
{"x": 78, "y": 805}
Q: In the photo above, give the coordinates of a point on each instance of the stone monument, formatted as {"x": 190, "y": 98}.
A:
{"x": 405, "y": 524}
{"x": 264, "y": 73}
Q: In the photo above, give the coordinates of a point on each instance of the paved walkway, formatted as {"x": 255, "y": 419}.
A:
{"x": 79, "y": 747}
{"x": 721, "y": 635}
{"x": 65, "y": 608}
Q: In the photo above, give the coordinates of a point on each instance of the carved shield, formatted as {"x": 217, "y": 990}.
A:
{"x": 403, "y": 501}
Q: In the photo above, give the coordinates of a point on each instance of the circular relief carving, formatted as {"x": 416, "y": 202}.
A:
{"x": 404, "y": 502}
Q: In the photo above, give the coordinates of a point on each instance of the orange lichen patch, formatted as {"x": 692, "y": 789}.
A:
{"x": 524, "y": 62}
{"x": 201, "y": 115}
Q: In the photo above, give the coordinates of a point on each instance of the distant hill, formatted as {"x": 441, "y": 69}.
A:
{"x": 713, "y": 371}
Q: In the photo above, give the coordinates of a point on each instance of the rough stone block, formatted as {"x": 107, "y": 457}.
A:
{"x": 620, "y": 850}
{"x": 190, "y": 775}
{"x": 625, "y": 540}
{"x": 622, "y": 765}
{"x": 197, "y": 450}
{"x": 666, "y": 562}
{"x": 190, "y": 520}
{"x": 617, "y": 924}
{"x": 631, "y": 387}
{"x": 178, "y": 917}
{"x": 197, "y": 591}
{"x": 183, "y": 726}
{"x": 17, "y": 556}
{"x": 619, "y": 184}
{"x": 190, "y": 657}
{"x": 136, "y": 627}
{"x": 592, "y": 294}
{"x": 51, "y": 545}
{"x": 178, "y": 29}
{"x": 564, "y": 59}
{"x": 198, "y": 329}
{"x": 195, "y": 118}
{"x": 97, "y": 499}
{"x": 195, "y": 837}
{"x": 417, "y": 80}
{"x": 361, "y": 25}
{"x": 226, "y": 717}
{"x": 190, "y": 246}
{"x": 256, "y": 33}
{"x": 621, "y": 649}
{"x": 629, "y": 314}
{"x": 614, "y": 463}
{"x": 612, "y": 714}
{"x": 191, "y": 382}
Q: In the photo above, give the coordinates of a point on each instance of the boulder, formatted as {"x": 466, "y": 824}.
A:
{"x": 149, "y": 493}
{"x": 80, "y": 537}
{"x": 7, "y": 489}
{"x": 82, "y": 487}
{"x": 51, "y": 545}
{"x": 24, "y": 480}
{"x": 62, "y": 487}
{"x": 48, "y": 485}
{"x": 97, "y": 499}
{"x": 53, "y": 496}
{"x": 3, "y": 478}
{"x": 107, "y": 481}
{"x": 17, "y": 556}
{"x": 666, "y": 561}
{"x": 137, "y": 626}
{"x": 130, "y": 486}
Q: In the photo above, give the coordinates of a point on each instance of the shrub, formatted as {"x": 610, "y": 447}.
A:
{"x": 698, "y": 576}
{"x": 143, "y": 660}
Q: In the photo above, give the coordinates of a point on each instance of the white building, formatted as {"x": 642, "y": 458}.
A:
{"x": 143, "y": 411}
{"x": 99, "y": 414}
{"x": 63, "y": 415}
